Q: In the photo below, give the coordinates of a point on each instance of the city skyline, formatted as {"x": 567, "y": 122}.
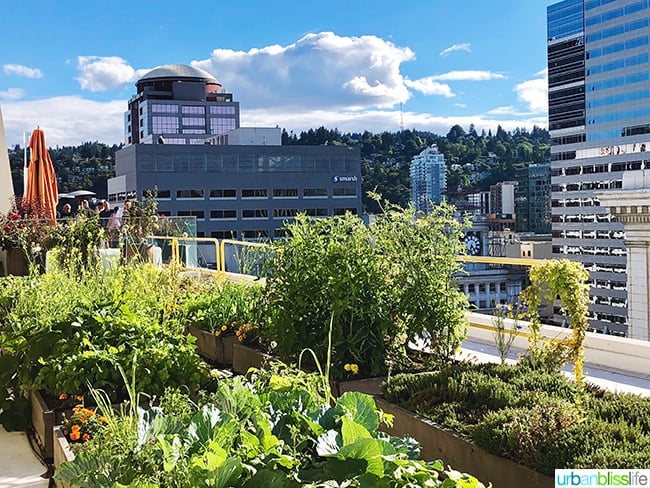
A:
{"x": 346, "y": 65}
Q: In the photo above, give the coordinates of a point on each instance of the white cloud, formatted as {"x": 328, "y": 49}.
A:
{"x": 468, "y": 75}
{"x": 535, "y": 92}
{"x": 428, "y": 86}
{"x": 465, "y": 46}
{"x": 74, "y": 120}
{"x": 68, "y": 120}
{"x": 20, "y": 70}
{"x": 460, "y": 105}
{"x": 382, "y": 120}
{"x": 12, "y": 94}
{"x": 97, "y": 73}
{"x": 317, "y": 71}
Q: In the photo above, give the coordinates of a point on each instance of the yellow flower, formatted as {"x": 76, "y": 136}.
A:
{"x": 224, "y": 328}
{"x": 354, "y": 369}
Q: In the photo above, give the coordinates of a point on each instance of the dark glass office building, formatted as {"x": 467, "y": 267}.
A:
{"x": 599, "y": 121}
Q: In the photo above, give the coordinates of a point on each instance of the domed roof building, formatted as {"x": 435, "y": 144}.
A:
{"x": 179, "y": 104}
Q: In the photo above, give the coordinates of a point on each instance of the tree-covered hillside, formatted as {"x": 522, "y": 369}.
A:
{"x": 474, "y": 161}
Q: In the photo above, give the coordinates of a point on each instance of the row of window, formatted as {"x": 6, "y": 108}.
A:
{"x": 588, "y": 185}
{"x": 588, "y": 234}
{"x": 635, "y": 113}
{"x": 232, "y": 163}
{"x": 618, "y": 64}
{"x": 168, "y": 108}
{"x": 231, "y": 193}
{"x": 619, "y": 29}
{"x": 631, "y": 96}
{"x": 591, "y": 4}
{"x": 605, "y": 267}
{"x": 482, "y": 288}
{"x": 575, "y": 202}
{"x": 172, "y": 125}
{"x": 259, "y": 213}
{"x": 619, "y": 81}
{"x": 617, "y": 12}
{"x": 595, "y": 251}
{"x": 581, "y": 218}
{"x": 618, "y": 47}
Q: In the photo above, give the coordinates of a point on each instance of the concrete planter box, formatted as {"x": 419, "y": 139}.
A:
{"x": 213, "y": 347}
{"x": 461, "y": 454}
{"x": 245, "y": 357}
{"x": 62, "y": 453}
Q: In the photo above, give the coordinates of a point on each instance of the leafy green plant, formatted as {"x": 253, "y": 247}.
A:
{"x": 223, "y": 308}
{"x": 274, "y": 429}
{"x": 62, "y": 329}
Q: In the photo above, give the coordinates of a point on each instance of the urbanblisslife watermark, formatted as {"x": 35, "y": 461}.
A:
{"x": 603, "y": 478}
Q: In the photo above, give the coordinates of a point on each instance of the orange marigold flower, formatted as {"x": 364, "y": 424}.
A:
{"x": 76, "y": 428}
{"x": 85, "y": 437}
{"x": 103, "y": 419}
{"x": 63, "y": 396}
{"x": 79, "y": 398}
{"x": 74, "y": 436}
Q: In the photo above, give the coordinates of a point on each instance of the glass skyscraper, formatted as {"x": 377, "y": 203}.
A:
{"x": 599, "y": 121}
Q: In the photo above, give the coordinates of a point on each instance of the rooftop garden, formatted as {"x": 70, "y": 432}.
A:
{"x": 340, "y": 300}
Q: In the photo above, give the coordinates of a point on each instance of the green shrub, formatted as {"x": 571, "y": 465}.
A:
{"x": 633, "y": 409}
{"x": 525, "y": 434}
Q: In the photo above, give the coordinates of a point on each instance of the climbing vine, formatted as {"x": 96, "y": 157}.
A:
{"x": 565, "y": 280}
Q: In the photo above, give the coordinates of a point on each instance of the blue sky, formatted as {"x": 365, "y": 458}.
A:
{"x": 70, "y": 66}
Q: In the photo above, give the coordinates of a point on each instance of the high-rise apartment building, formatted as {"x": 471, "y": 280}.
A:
{"x": 428, "y": 178}
{"x": 599, "y": 122}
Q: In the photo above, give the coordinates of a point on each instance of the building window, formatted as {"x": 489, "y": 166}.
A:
{"x": 254, "y": 193}
{"x": 224, "y": 234}
{"x": 280, "y": 233}
{"x": 285, "y": 193}
{"x": 284, "y": 212}
{"x": 193, "y": 109}
{"x": 222, "y": 110}
{"x": 164, "y": 125}
{"x": 255, "y": 213}
{"x": 345, "y": 192}
{"x": 342, "y": 211}
{"x": 199, "y": 214}
{"x": 314, "y": 192}
{"x": 223, "y": 214}
{"x": 317, "y": 212}
{"x": 221, "y": 126}
{"x": 160, "y": 194}
{"x": 164, "y": 213}
{"x": 189, "y": 194}
{"x": 223, "y": 193}
{"x": 193, "y": 121}
{"x": 164, "y": 108}
{"x": 200, "y": 233}
{"x": 255, "y": 234}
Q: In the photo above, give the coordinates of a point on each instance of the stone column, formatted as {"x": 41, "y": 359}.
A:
{"x": 632, "y": 209}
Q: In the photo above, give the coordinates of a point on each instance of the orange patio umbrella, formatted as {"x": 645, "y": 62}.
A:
{"x": 41, "y": 194}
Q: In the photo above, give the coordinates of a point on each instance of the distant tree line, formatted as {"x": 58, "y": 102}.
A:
{"x": 474, "y": 161}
